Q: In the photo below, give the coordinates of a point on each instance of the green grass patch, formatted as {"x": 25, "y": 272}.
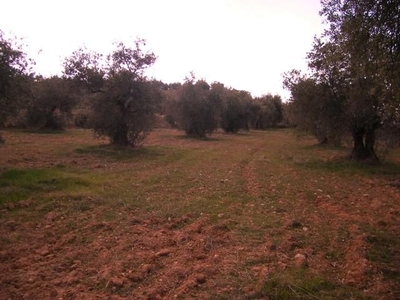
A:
{"x": 351, "y": 168}
{"x": 297, "y": 284}
{"x": 16, "y": 184}
{"x": 384, "y": 250}
{"x": 132, "y": 154}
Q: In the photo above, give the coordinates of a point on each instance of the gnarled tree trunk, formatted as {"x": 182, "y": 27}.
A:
{"x": 364, "y": 142}
{"x": 120, "y": 137}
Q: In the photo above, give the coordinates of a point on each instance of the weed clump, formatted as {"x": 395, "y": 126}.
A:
{"x": 296, "y": 224}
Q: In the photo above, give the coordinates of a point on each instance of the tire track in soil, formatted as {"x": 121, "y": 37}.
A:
{"x": 253, "y": 187}
{"x": 354, "y": 265}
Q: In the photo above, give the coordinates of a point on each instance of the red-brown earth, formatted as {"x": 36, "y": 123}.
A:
{"x": 259, "y": 215}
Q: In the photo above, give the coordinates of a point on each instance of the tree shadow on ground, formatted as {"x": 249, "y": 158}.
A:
{"x": 344, "y": 165}
{"x": 44, "y": 131}
{"x": 121, "y": 153}
{"x": 198, "y": 138}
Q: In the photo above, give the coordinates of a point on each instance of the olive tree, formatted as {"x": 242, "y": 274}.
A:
{"x": 51, "y": 104}
{"x": 266, "y": 111}
{"x": 234, "y": 115}
{"x": 124, "y": 101}
{"x": 199, "y": 107}
{"x": 355, "y": 68}
{"x": 313, "y": 109}
{"x": 15, "y": 77}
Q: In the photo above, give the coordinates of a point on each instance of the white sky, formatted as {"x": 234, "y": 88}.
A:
{"x": 245, "y": 44}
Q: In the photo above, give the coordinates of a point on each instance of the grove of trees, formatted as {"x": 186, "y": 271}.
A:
{"x": 352, "y": 90}
{"x": 199, "y": 108}
{"x": 111, "y": 95}
{"x": 15, "y": 76}
{"x": 354, "y": 83}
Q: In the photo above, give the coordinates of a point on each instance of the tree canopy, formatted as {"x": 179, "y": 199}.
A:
{"x": 15, "y": 74}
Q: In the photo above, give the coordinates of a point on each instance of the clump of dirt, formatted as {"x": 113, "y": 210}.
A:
{"x": 143, "y": 257}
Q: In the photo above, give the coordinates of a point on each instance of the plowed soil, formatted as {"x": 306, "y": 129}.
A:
{"x": 258, "y": 215}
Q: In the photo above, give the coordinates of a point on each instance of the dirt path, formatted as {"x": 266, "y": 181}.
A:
{"x": 250, "y": 175}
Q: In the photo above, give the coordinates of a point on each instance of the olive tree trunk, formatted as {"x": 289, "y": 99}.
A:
{"x": 364, "y": 143}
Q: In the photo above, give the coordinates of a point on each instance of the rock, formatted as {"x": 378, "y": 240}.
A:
{"x": 12, "y": 225}
{"x": 135, "y": 277}
{"x": 102, "y": 225}
{"x": 146, "y": 268}
{"x": 201, "y": 256}
{"x": 382, "y": 223}
{"x": 51, "y": 216}
{"x": 154, "y": 295}
{"x": 44, "y": 251}
{"x": 163, "y": 252}
{"x": 117, "y": 282}
{"x": 201, "y": 278}
{"x": 300, "y": 260}
{"x": 53, "y": 294}
{"x": 25, "y": 203}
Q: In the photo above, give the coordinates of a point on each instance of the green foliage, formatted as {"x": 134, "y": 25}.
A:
{"x": 15, "y": 78}
{"x": 266, "y": 111}
{"x": 383, "y": 250}
{"x": 52, "y": 103}
{"x": 233, "y": 115}
{"x": 199, "y": 108}
{"x": 170, "y": 106}
{"x": 296, "y": 284}
{"x": 126, "y": 154}
{"x": 353, "y": 77}
{"x": 124, "y": 102}
{"x": 125, "y": 113}
{"x": 81, "y": 119}
{"x": 18, "y": 184}
{"x": 313, "y": 109}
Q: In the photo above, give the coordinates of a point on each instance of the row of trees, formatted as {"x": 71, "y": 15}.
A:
{"x": 199, "y": 108}
{"x": 354, "y": 84}
{"x": 112, "y": 96}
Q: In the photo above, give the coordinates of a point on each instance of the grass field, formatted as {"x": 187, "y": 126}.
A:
{"x": 257, "y": 215}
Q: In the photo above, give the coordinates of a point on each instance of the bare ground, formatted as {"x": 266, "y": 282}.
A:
{"x": 289, "y": 223}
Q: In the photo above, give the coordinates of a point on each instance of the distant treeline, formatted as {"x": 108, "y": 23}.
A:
{"x": 352, "y": 89}
{"x": 112, "y": 96}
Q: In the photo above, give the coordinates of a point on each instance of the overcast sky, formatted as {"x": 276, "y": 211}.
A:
{"x": 245, "y": 44}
